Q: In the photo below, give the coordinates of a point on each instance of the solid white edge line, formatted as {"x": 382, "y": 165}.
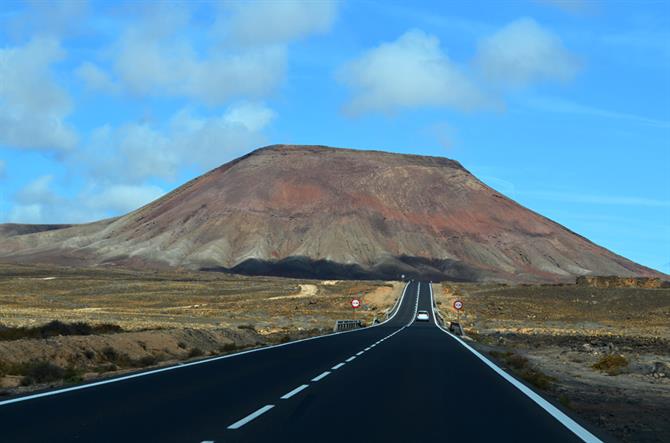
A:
{"x": 185, "y": 365}
{"x": 416, "y": 303}
{"x": 293, "y": 392}
{"x": 559, "y": 415}
{"x": 337, "y": 366}
{"x": 320, "y": 376}
{"x": 352, "y": 358}
{"x": 238, "y": 424}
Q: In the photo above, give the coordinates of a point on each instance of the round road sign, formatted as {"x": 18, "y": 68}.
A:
{"x": 355, "y": 303}
{"x": 458, "y": 305}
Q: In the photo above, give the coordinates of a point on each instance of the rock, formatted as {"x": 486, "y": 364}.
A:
{"x": 660, "y": 369}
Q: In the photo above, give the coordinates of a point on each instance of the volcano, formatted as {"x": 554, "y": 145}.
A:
{"x": 316, "y": 211}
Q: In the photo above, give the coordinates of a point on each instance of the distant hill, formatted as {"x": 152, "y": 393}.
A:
{"x": 314, "y": 211}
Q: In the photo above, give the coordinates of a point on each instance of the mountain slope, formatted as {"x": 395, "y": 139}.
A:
{"x": 312, "y": 210}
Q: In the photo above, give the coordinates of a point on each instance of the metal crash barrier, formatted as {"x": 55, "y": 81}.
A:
{"x": 345, "y": 325}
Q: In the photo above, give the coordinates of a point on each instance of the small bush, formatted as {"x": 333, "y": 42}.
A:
{"x": 45, "y": 372}
{"x": 228, "y": 347}
{"x": 195, "y": 352}
{"x": 113, "y": 356}
{"x": 517, "y": 361}
{"x": 612, "y": 364}
{"x": 521, "y": 366}
{"x": 249, "y": 327}
{"x": 285, "y": 339}
{"x": 564, "y": 400}
{"x": 56, "y": 328}
{"x": 147, "y": 360}
{"x": 538, "y": 379}
{"x": 181, "y": 345}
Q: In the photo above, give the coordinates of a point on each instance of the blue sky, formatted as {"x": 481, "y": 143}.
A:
{"x": 562, "y": 105}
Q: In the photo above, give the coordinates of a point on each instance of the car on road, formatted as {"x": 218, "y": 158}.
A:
{"x": 422, "y": 316}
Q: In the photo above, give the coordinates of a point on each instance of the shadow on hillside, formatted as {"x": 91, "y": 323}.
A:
{"x": 391, "y": 269}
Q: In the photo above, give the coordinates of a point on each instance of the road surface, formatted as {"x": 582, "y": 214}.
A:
{"x": 401, "y": 381}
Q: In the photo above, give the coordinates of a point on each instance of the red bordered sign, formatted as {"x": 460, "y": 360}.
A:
{"x": 458, "y": 305}
{"x": 355, "y": 303}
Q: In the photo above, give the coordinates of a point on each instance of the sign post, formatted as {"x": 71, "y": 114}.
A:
{"x": 355, "y": 304}
{"x": 458, "y": 305}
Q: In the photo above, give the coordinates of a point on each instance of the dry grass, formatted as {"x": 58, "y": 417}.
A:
{"x": 612, "y": 364}
{"x": 35, "y": 295}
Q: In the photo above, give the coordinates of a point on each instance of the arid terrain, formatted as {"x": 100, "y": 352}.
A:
{"x": 603, "y": 353}
{"x": 320, "y": 212}
{"x": 596, "y": 348}
{"x": 150, "y": 318}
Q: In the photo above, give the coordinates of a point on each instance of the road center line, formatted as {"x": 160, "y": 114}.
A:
{"x": 293, "y": 392}
{"x": 337, "y": 366}
{"x": 350, "y": 358}
{"x": 238, "y": 424}
{"x": 320, "y": 376}
{"x": 359, "y": 353}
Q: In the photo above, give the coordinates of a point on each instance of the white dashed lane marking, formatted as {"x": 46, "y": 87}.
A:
{"x": 293, "y": 392}
{"x": 320, "y": 376}
{"x": 238, "y": 424}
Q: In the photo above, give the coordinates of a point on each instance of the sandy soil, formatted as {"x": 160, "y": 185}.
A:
{"x": 563, "y": 331}
{"x": 167, "y": 316}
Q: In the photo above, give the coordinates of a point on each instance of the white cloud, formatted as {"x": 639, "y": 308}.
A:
{"x": 164, "y": 55}
{"x": 95, "y": 79}
{"x": 252, "y": 116}
{"x": 410, "y": 72}
{"x": 33, "y": 107}
{"x": 125, "y": 198}
{"x": 50, "y": 18}
{"x": 277, "y": 22}
{"x": 135, "y": 152}
{"x": 522, "y": 53}
{"x": 171, "y": 67}
{"x": 37, "y": 202}
{"x": 554, "y": 104}
{"x": 614, "y": 200}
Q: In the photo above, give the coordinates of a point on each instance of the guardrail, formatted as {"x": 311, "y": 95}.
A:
{"x": 346, "y": 325}
{"x": 438, "y": 314}
{"x": 390, "y": 312}
{"x": 454, "y": 327}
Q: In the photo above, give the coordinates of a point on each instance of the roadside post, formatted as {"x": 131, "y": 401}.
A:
{"x": 355, "y": 304}
{"x": 458, "y": 306}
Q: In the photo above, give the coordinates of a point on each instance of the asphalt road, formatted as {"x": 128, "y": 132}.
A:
{"x": 401, "y": 381}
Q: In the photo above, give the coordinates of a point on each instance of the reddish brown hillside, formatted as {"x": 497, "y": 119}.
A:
{"x": 318, "y": 211}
